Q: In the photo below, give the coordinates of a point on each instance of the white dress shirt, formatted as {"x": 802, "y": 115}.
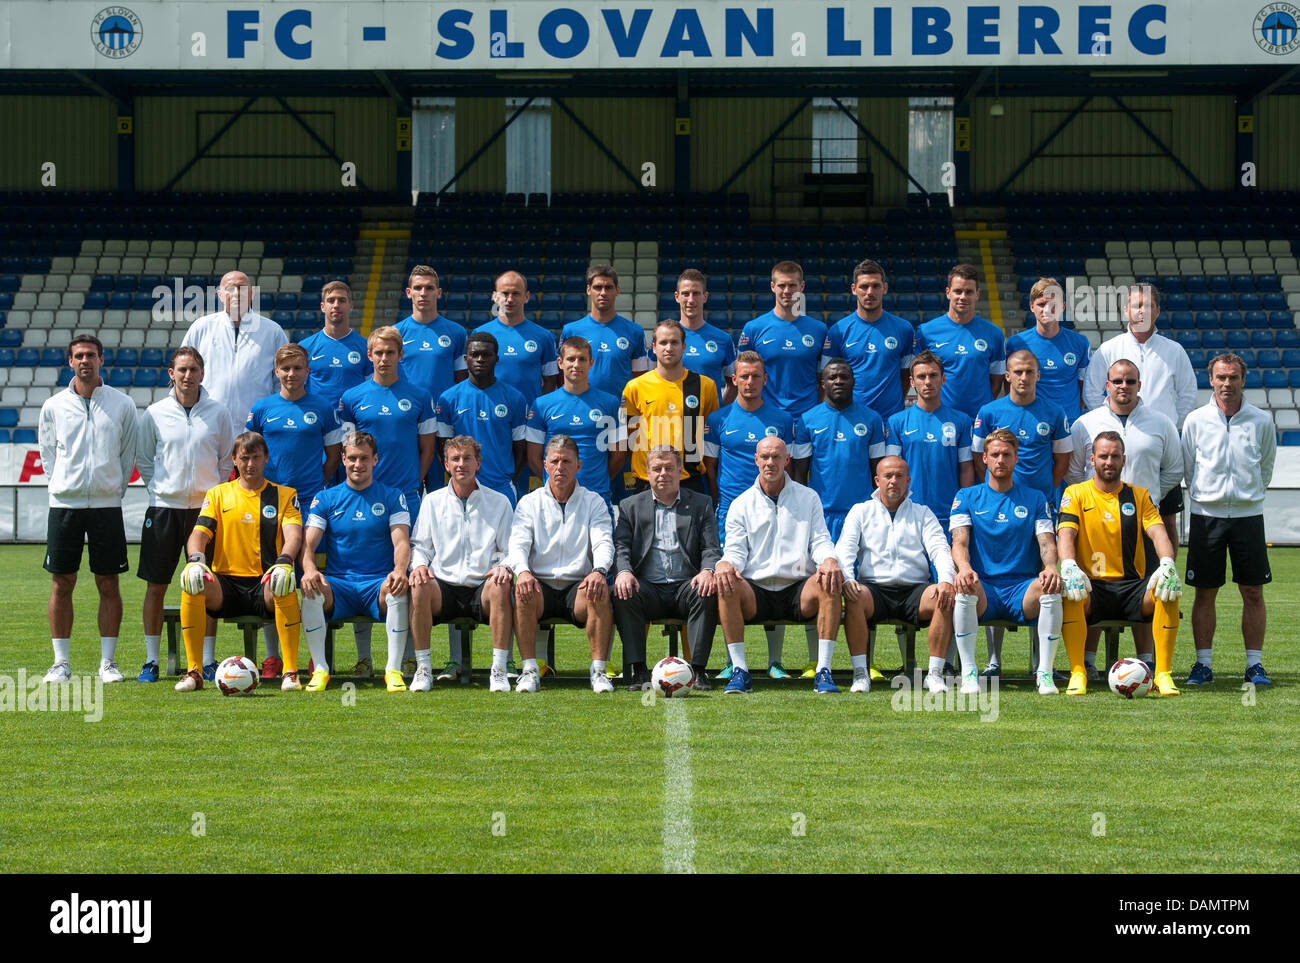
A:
{"x": 88, "y": 447}
{"x": 561, "y": 543}
{"x": 1153, "y": 456}
{"x": 459, "y": 541}
{"x": 237, "y": 370}
{"x": 896, "y": 549}
{"x": 777, "y": 543}
{"x": 181, "y": 454}
{"x": 1229, "y": 461}
{"x": 1168, "y": 381}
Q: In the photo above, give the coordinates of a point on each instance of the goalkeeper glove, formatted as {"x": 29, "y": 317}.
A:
{"x": 281, "y": 576}
{"x": 1165, "y": 585}
{"x": 195, "y": 573}
{"x": 1077, "y": 583}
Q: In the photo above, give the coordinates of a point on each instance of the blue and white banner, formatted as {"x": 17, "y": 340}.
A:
{"x": 553, "y": 34}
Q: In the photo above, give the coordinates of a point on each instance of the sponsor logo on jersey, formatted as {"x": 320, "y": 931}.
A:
{"x": 309, "y": 418}
{"x": 1128, "y": 509}
{"x": 981, "y": 344}
{"x": 290, "y": 423}
{"x": 1066, "y": 501}
{"x": 860, "y": 430}
{"x": 377, "y": 509}
{"x": 405, "y": 404}
{"x": 1022, "y": 511}
{"x": 839, "y": 436}
{"x": 1044, "y": 428}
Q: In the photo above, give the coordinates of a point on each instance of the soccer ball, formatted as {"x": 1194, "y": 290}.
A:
{"x": 237, "y": 676}
{"x": 673, "y": 677}
{"x": 1129, "y": 678}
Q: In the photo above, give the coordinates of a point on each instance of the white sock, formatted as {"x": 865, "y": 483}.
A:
{"x": 965, "y": 621}
{"x": 423, "y": 659}
{"x": 499, "y": 657}
{"x": 825, "y": 652}
{"x": 736, "y": 650}
{"x": 395, "y": 624}
{"x": 814, "y": 649}
{"x": 107, "y": 647}
{"x": 61, "y": 648}
{"x": 361, "y": 630}
{"x": 209, "y": 649}
{"x": 272, "y": 638}
{"x": 597, "y": 666}
{"x": 1050, "y": 615}
{"x": 1203, "y": 657}
{"x": 859, "y": 662}
{"x": 313, "y": 630}
{"x": 1090, "y": 659}
{"x": 455, "y": 638}
{"x": 775, "y": 644}
{"x": 152, "y": 647}
{"x": 936, "y": 664}
{"x": 993, "y": 639}
{"x": 1253, "y": 657}
{"x": 528, "y": 663}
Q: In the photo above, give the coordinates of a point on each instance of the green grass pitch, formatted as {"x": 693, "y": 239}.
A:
{"x": 462, "y": 781}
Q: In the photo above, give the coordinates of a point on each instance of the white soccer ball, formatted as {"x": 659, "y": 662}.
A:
{"x": 673, "y": 677}
{"x": 237, "y": 675}
{"x": 1129, "y": 678}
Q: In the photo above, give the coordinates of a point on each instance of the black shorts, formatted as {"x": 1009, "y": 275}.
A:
{"x": 778, "y": 605}
{"x": 461, "y": 602}
{"x": 1209, "y": 540}
{"x": 560, "y": 603}
{"x": 1172, "y": 503}
{"x": 68, "y": 529}
{"x": 241, "y": 595}
{"x": 1117, "y": 600}
{"x": 162, "y": 542}
{"x": 896, "y": 602}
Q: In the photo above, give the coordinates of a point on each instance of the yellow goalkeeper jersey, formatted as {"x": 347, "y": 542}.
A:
{"x": 1110, "y": 527}
{"x": 247, "y": 527}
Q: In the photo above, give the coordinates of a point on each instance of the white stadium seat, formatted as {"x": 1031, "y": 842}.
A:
{"x": 623, "y": 304}
{"x": 115, "y": 319}
{"x": 624, "y": 249}
{"x": 1279, "y": 397}
{"x": 46, "y": 377}
{"x": 647, "y": 249}
{"x": 271, "y": 266}
{"x": 43, "y": 319}
{"x": 25, "y": 300}
{"x": 253, "y": 249}
{"x": 1287, "y": 418}
{"x": 11, "y": 397}
{"x": 1162, "y": 248}
{"x": 1279, "y": 248}
{"x": 160, "y": 248}
{"x": 49, "y": 300}
{"x": 133, "y": 264}
{"x": 1261, "y": 264}
{"x": 1257, "y": 397}
{"x": 109, "y": 264}
{"x": 91, "y": 319}
{"x": 67, "y": 319}
{"x": 1207, "y": 248}
{"x": 132, "y": 337}
{"x": 73, "y": 300}
{"x": 1185, "y": 248}
{"x": 1116, "y": 249}
{"x": 36, "y": 337}
{"x": 202, "y": 265}
{"x": 1286, "y": 265}
{"x": 182, "y": 248}
{"x": 79, "y": 282}
{"x": 29, "y": 417}
{"x": 1238, "y": 264}
{"x": 1144, "y": 265}
{"x": 1214, "y": 265}
{"x": 137, "y": 247}
{"x": 143, "y": 397}
{"x": 18, "y": 319}
{"x": 115, "y": 247}
{"x": 92, "y": 247}
{"x": 111, "y": 337}
{"x": 32, "y": 282}
{"x": 1256, "y": 246}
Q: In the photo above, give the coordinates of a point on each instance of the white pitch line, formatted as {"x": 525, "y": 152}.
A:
{"x": 679, "y": 835}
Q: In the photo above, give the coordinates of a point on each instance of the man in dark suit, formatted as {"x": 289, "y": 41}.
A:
{"x": 665, "y": 547}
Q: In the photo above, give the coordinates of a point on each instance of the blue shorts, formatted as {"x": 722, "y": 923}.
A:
{"x": 722, "y": 524}
{"x": 1007, "y": 600}
{"x": 355, "y": 597}
{"x": 835, "y": 523}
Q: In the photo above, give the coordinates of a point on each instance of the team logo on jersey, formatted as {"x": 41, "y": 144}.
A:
{"x": 530, "y": 345}
{"x": 268, "y": 511}
{"x": 405, "y": 404}
{"x": 981, "y": 344}
{"x": 148, "y": 523}
{"x": 860, "y": 430}
{"x": 622, "y": 343}
{"x": 891, "y": 343}
{"x": 354, "y": 357}
{"x": 692, "y": 401}
{"x": 595, "y": 414}
{"x": 949, "y": 433}
{"x": 1071, "y": 358}
{"x": 116, "y": 32}
{"x": 709, "y": 346}
{"x": 1276, "y": 29}
{"x": 1044, "y": 428}
{"x": 1022, "y": 511}
{"x": 1127, "y": 509}
{"x": 444, "y": 341}
{"x": 309, "y": 418}
{"x": 377, "y": 509}
{"x": 771, "y": 431}
{"x": 808, "y": 341}
{"x": 500, "y": 411}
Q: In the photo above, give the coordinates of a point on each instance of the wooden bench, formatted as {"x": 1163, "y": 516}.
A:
{"x": 250, "y": 625}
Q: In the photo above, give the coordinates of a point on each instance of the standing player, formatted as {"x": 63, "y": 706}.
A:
{"x": 183, "y": 451}
{"x": 527, "y": 350}
{"x": 617, "y": 344}
{"x": 1002, "y": 532}
{"x": 789, "y": 342}
{"x": 669, "y": 405}
{"x": 1100, "y": 522}
{"x": 934, "y": 439}
{"x": 255, "y": 531}
{"x": 709, "y": 349}
{"x": 1038, "y": 424}
{"x": 875, "y": 343}
{"x": 336, "y": 353}
{"x": 490, "y": 411}
{"x": 973, "y": 350}
{"x": 1062, "y": 354}
{"x": 88, "y": 440}
{"x": 591, "y": 417}
{"x": 363, "y": 527}
{"x": 1229, "y": 447}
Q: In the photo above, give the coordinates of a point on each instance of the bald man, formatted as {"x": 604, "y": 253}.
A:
{"x": 779, "y": 564}
{"x": 526, "y": 351}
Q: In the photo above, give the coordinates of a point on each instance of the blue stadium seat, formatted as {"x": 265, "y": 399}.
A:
{"x": 286, "y": 301}
{"x": 1287, "y": 438}
{"x": 126, "y": 357}
{"x": 551, "y": 320}
{"x": 1220, "y": 283}
{"x": 1207, "y": 320}
{"x": 27, "y": 436}
{"x": 120, "y": 378}
{"x": 1280, "y": 320}
{"x": 1225, "y": 302}
{"x": 127, "y": 282}
{"x": 1293, "y": 378}
{"x": 1248, "y": 356}
{"x": 152, "y": 357}
{"x": 1274, "y": 378}
{"x": 1268, "y": 283}
{"x": 1273, "y": 301}
{"x": 9, "y": 416}
{"x": 1201, "y": 302}
{"x": 1197, "y": 357}
{"x": 1213, "y": 339}
{"x": 1231, "y": 319}
{"x": 1202, "y": 379}
{"x": 1249, "y": 302}
{"x": 1237, "y": 339}
{"x": 1254, "y": 379}
{"x": 65, "y": 374}
{"x": 283, "y": 318}
{"x": 120, "y": 301}
{"x": 142, "y": 301}
{"x": 1182, "y": 320}
{"x": 1243, "y": 283}
{"x": 5, "y": 437}
{"x": 7, "y": 358}
{"x": 11, "y": 338}
{"x": 6, "y": 300}
{"x": 145, "y": 378}
{"x": 1255, "y": 319}
{"x": 9, "y": 282}
{"x": 102, "y": 282}
{"x": 1263, "y": 339}
{"x": 54, "y": 358}
{"x": 1288, "y": 339}
{"x": 1188, "y": 339}
{"x": 1268, "y": 358}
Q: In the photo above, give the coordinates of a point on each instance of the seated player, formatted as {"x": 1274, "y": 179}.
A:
{"x": 363, "y": 527}
{"x": 779, "y": 564}
{"x": 886, "y": 550}
{"x": 245, "y": 520}
{"x": 1100, "y": 521}
{"x": 458, "y": 555}
{"x": 561, "y": 550}
{"x": 1001, "y": 531}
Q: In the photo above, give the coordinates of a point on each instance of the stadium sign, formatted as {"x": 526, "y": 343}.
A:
{"x": 553, "y": 34}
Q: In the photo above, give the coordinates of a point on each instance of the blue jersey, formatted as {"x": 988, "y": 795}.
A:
{"x": 844, "y": 442}
{"x": 336, "y": 365}
{"x": 592, "y": 419}
{"x": 732, "y": 434}
{"x": 432, "y": 353}
{"x": 934, "y": 444}
{"x": 1004, "y": 530}
{"x": 296, "y": 432}
{"x": 525, "y": 355}
{"x": 711, "y": 352}
{"x": 396, "y": 415}
{"x": 1040, "y": 429}
{"x": 876, "y": 351}
{"x": 617, "y": 350}
{"x": 496, "y": 417}
{"x": 358, "y": 543}
{"x": 791, "y": 353}
{"x": 971, "y": 353}
{"x": 1062, "y": 361}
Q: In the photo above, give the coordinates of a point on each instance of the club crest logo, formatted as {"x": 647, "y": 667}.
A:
{"x": 1277, "y": 29}
{"x": 594, "y": 414}
{"x": 530, "y": 346}
{"x": 1128, "y": 510}
{"x": 981, "y": 344}
{"x": 377, "y": 509}
{"x": 310, "y": 418}
{"x": 692, "y": 401}
{"x": 860, "y": 430}
{"x": 1044, "y": 428}
{"x": 444, "y": 341}
{"x": 711, "y": 347}
{"x": 1071, "y": 358}
{"x": 500, "y": 411}
{"x": 268, "y": 511}
{"x": 116, "y": 32}
{"x": 354, "y": 357}
{"x": 891, "y": 343}
{"x": 771, "y": 431}
{"x": 622, "y": 344}
{"x": 808, "y": 341}
{"x": 1021, "y": 511}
